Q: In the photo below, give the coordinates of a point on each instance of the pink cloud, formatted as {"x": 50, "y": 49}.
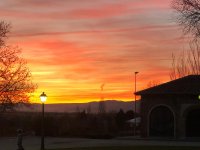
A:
{"x": 101, "y": 11}
{"x": 74, "y": 46}
{"x": 77, "y": 10}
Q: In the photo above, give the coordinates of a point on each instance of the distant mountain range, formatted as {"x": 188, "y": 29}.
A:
{"x": 110, "y": 106}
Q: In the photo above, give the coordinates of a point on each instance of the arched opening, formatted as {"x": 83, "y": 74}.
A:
{"x": 161, "y": 122}
{"x": 193, "y": 123}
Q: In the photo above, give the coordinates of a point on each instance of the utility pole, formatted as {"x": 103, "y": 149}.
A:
{"x": 135, "y": 104}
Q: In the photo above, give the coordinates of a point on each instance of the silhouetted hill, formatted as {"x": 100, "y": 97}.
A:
{"x": 110, "y": 105}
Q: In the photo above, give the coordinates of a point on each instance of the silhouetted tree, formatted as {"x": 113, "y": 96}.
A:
{"x": 130, "y": 114}
{"x": 82, "y": 115}
{"x": 188, "y": 15}
{"x": 89, "y": 109}
{"x": 15, "y": 78}
{"x": 189, "y": 18}
{"x": 4, "y": 30}
{"x": 187, "y": 63}
{"x": 153, "y": 83}
{"x": 102, "y": 107}
{"x": 120, "y": 119}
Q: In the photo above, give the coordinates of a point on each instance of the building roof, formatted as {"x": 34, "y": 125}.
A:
{"x": 186, "y": 85}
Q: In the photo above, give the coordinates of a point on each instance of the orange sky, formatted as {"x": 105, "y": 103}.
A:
{"x": 73, "y": 47}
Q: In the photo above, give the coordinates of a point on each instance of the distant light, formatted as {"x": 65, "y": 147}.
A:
{"x": 43, "y": 97}
{"x": 199, "y": 97}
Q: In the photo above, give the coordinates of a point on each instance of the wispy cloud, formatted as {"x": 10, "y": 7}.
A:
{"x": 74, "y": 46}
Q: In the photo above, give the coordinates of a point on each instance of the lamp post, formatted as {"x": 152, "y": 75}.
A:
{"x": 135, "y": 104}
{"x": 43, "y": 98}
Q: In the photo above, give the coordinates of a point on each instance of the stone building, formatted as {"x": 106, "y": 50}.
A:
{"x": 171, "y": 109}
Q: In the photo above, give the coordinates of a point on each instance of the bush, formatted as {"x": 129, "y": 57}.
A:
{"x": 64, "y": 124}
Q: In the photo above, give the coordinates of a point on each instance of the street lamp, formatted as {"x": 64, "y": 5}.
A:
{"x": 135, "y": 105}
{"x": 43, "y": 98}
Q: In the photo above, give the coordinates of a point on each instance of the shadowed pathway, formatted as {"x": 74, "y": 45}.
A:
{"x": 33, "y": 143}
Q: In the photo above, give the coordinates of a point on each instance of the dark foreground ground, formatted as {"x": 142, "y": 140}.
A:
{"x": 125, "y": 143}
{"x": 136, "y": 148}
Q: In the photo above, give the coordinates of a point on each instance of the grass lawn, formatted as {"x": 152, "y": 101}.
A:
{"x": 135, "y": 148}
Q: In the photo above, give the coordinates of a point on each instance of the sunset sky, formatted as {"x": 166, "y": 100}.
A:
{"x": 74, "y": 46}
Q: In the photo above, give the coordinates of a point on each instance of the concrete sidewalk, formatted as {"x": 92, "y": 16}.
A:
{"x": 33, "y": 143}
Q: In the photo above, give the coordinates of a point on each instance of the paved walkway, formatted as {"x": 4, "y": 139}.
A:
{"x": 33, "y": 143}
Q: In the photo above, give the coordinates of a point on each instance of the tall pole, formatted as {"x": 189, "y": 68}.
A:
{"x": 135, "y": 104}
{"x": 43, "y": 98}
{"x": 42, "y": 137}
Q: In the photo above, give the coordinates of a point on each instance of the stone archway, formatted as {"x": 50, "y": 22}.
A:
{"x": 193, "y": 123}
{"x": 161, "y": 122}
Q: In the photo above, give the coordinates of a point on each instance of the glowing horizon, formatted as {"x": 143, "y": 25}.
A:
{"x": 73, "y": 47}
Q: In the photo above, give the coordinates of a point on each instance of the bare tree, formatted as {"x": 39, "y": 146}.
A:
{"x": 15, "y": 78}
{"x": 4, "y": 30}
{"x": 189, "y": 18}
{"x": 188, "y": 15}
{"x": 187, "y": 63}
{"x": 88, "y": 110}
{"x": 153, "y": 83}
